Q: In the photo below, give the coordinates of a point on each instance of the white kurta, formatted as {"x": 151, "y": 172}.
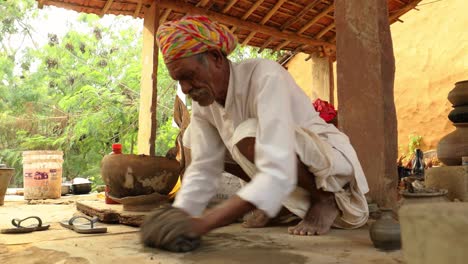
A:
{"x": 264, "y": 91}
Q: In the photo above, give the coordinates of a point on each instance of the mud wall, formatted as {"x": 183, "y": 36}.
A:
{"x": 431, "y": 54}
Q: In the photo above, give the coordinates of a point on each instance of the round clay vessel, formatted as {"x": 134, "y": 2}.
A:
{"x": 459, "y": 95}
{"x": 133, "y": 175}
{"x": 459, "y": 114}
{"x": 454, "y": 146}
{"x": 385, "y": 232}
{"x": 439, "y": 196}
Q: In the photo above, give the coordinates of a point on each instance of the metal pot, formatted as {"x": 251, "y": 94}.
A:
{"x": 81, "y": 188}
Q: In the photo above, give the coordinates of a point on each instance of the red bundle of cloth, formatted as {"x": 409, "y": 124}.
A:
{"x": 326, "y": 110}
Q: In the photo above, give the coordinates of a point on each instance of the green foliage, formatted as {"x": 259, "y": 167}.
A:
{"x": 78, "y": 92}
{"x": 414, "y": 143}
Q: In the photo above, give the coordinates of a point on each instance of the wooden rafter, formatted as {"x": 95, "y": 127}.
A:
{"x": 306, "y": 26}
{"x": 249, "y": 12}
{"x": 164, "y": 15}
{"x": 304, "y": 11}
{"x": 403, "y": 10}
{"x": 324, "y": 31}
{"x": 180, "y": 6}
{"x": 316, "y": 18}
{"x": 228, "y": 6}
{"x": 288, "y": 23}
{"x": 138, "y": 8}
{"x": 202, "y": 3}
{"x": 106, "y": 7}
{"x": 40, "y": 3}
{"x": 264, "y": 20}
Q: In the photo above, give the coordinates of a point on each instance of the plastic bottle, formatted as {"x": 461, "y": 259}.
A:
{"x": 116, "y": 149}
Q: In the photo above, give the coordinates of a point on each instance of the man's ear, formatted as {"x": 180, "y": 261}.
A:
{"x": 217, "y": 57}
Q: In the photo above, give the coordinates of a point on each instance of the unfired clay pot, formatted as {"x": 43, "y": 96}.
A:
{"x": 134, "y": 175}
{"x": 424, "y": 197}
{"x": 5, "y": 177}
{"x": 385, "y": 232}
{"x": 459, "y": 95}
{"x": 454, "y": 146}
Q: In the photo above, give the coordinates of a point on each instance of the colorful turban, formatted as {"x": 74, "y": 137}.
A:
{"x": 192, "y": 35}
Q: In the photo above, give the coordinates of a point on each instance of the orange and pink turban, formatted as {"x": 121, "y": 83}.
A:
{"x": 192, "y": 35}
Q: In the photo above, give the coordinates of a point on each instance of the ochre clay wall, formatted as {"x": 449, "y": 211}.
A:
{"x": 431, "y": 54}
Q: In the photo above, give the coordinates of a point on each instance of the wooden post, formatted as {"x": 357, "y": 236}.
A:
{"x": 147, "y": 122}
{"x": 331, "y": 91}
{"x": 320, "y": 77}
{"x": 366, "y": 69}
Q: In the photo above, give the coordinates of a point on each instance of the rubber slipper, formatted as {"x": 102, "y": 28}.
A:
{"x": 87, "y": 228}
{"x": 19, "y": 229}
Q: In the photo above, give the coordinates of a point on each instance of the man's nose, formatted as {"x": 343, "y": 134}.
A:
{"x": 185, "y": 86}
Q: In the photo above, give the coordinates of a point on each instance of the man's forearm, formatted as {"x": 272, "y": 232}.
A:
{"x": 225, "y": 214}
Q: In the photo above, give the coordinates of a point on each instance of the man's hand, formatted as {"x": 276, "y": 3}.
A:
{"x": 169, "y": 228}
{"x": 225, "y": 214}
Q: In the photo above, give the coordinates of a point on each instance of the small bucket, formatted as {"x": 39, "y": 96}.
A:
{"x": 42, "y": 174}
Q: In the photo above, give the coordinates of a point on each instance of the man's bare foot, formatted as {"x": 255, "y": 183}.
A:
{"x": 318, "y": 219}
{"x": 256, "y": 219}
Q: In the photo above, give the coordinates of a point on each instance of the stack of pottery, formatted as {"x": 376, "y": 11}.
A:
{"x": 454, "y": 146}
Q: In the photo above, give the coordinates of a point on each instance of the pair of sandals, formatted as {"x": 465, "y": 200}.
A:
{"x": 82, "y": 228}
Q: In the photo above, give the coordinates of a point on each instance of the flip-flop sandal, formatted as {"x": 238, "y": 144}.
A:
{"x": 19, "y": 229}
{"x": 88, "y": 228}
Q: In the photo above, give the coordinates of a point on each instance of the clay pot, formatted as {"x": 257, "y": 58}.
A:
{"x": 133, "y": 175}
{"x": 385, "y": 232}
{"x": 424, "y": 197}
{"x": 5, "y": 177}
{"x": 459, "y": 95}
{"x": 459, "y": 114}
{"x": 454, "y": 146}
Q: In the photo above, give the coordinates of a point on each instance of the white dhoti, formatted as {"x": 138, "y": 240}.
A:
{"x": 332, "y": 169}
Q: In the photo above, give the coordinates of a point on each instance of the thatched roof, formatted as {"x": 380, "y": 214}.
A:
{"x": 295, "y": 25}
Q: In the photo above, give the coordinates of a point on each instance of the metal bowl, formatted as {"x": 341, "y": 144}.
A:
{"x": 81, "y": 188}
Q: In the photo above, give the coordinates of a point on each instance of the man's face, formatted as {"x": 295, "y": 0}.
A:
{"x": 197, "y": 78}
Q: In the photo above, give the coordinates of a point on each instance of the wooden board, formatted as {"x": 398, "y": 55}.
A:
{"x": 111, "y": 213}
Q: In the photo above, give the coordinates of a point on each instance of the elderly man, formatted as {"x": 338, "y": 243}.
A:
{"x": 256, "y": 112}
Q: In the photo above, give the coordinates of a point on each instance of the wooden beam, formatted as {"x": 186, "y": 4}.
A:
{"x": 316, "y": 18}
{"x": 180, "y": 6}
{"x": 264, "y": 20}
{"x": 301, "y": 14}
{"x": 41, "y": 3}
{"x": 138, "y": 9}
{"x": 106, "y": 7}
{"x": 147, "y": 122}
{"x": 325, "y": 30}
{"x": 165, "y": 15}
{"x": 265, "y": 44}
{"x": 272, "y": 11}
{"x": 290, "y": 22}
{"x": 281, "y": 45}
{"x": 403, "y": 10}
{"x": 202, "y": 3}
{"x": 228, "y": 6}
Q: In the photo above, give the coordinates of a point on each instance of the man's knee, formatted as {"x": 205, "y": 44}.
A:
{"x": 246, "y": 147}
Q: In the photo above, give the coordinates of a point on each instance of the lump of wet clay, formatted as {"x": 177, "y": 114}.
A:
{"x": 169, "y": 228}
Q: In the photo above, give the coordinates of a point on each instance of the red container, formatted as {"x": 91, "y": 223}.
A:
{"x": 116, "y": 149}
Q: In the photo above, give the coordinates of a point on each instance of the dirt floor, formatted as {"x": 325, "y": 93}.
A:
{"x": 228, "y": 245}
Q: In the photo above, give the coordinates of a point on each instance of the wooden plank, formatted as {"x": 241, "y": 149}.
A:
{"x": 180, "y": 6}
{"x": 316, "y": 18}
{"x": 164, "y": 16}
{"x": 324, "y": 30}
{"x": 304, "y": 11}
{"x": 111, "y": 213}
{"x": 40, "y": 3}
{"x": 138, "y": 9}
{"x": 106, "y": 7}
{"x": 228, "y": 6}
{"x": 202, "y": 3}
